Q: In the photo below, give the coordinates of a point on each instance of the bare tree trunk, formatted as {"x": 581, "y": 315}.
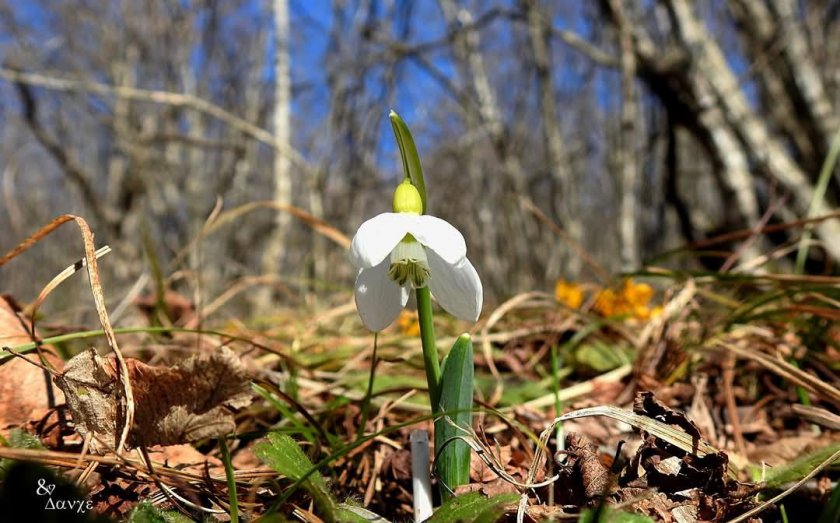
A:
{"x": 275, "y": 249}
{"x": 804, "y": 75}
{"x": 627, "y": 158}
{"x": 729, "y": 156}
{"x": 471, "y": 68}
{"x": 124, "y": 74}
{"x": 468, "y": 59}
{"x": 668, "y": 77}
{"x": 709, "y": 63}
{"x": 696, "y": 84}
{"x": 561, "y": 256}
{"x": 760, "y": 44}
{"x": 796, "y": 93}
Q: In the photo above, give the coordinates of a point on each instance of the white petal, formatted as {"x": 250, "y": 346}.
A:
{"x": 378, "y": 299}
{"x": 377, "y": 237}
{"x": 439, "y": 236}
{"x": 456, "y": 287}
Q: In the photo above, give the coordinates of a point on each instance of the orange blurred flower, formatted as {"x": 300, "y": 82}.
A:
{"x": 632, "y": 300}
{"x": 637, "y": 294}
{"x": 605, "y": 303}
{"x": 569, "y": 294}
{"x": 408, "y": 324}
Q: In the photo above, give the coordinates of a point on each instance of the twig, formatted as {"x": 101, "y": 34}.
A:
{"x": 575, "y": 246}
{"x": 160, "y": 97}
{"x": 731, "y": 407}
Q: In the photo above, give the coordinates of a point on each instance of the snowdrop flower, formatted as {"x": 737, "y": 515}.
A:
{"x": 403, "y": 250}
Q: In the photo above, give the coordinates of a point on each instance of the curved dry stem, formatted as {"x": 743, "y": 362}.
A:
{"x": 99, "y": 301}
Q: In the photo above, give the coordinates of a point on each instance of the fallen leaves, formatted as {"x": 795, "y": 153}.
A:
{"x": 25, "y": 388}
{"x": 190, "y": 401}
{"x": 581, "y": 457}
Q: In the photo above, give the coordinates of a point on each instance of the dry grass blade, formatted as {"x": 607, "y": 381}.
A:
{"x": 99, "y": 301}
{"x": 232, "y": 291}
{"x": 485, "y": 454}
{"x": 770, "y": 502}
{"x": 58, "y": 280}
{"x": 746, "y": 233}
{"x": 536, "y": 463}
{"x": 26, "y": 244}
{"x": 663, "y": 431}
{"x": 71, "y": 460}
{"x": 772, "y": 209}
{"x": 817, "y": 415}
{"x": 578, "y": 389}
{"x": 823, "y": 312}
{"x": 671, "y": 309}
{"x": 786, "y": 371}
{"x": 317, "y": 224}
{"x": 520, "y": 300}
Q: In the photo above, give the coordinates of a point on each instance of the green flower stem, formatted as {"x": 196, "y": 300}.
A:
{"x": 231, "y": 481}
{"x": 360, "y": 431}
{"x": 430, "y": 354}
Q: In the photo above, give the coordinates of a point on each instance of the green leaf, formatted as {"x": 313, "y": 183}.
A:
{"x": 284, "y": 455}
{"x": 475, "y": 508}
{"x": 602, "y": 357}
{"x": 408, "y": 152}
{"x": 456, "y": 401}
{"x": 147, "y": 513}
{"x": 800, "y": 467}
{"x": 19, "y": 439}
{"x": 817, "y": 199}
{"x": 348, "y": 513}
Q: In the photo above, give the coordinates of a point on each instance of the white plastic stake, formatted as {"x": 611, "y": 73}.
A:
{"x": 420, "y": 482}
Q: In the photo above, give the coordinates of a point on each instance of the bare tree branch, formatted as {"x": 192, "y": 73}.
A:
{"x": 159, "y": 97}
{"x": 75, "y": 173}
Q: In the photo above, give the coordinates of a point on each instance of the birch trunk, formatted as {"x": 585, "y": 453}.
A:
{"x": 508, "y": 218}
{"x": 708, "y": 63}
{"x": 565, "y": 201}
{"x": 275, "y": 249}
{"x": 627, "y": 159}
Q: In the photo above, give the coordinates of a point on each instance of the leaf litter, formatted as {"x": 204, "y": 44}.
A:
{"x": 190, "y": 401}
{"x": 725, "y": 383}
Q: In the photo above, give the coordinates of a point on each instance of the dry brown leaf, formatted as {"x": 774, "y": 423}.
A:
{"x": 23, "y": 386}
{"x": 180, "y": 404}
{"x": 185, "y": 458}
{"x": 481, "y": 472}
{"x": 115, "y": 497}
{"x": 179, "y": 309}
{"x": 582, "y": 454}
{"x": 398, "y": 464}
{"x": 789, "y": 448}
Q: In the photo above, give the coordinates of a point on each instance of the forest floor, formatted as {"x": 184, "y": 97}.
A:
{"x": 707, "y": 397}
